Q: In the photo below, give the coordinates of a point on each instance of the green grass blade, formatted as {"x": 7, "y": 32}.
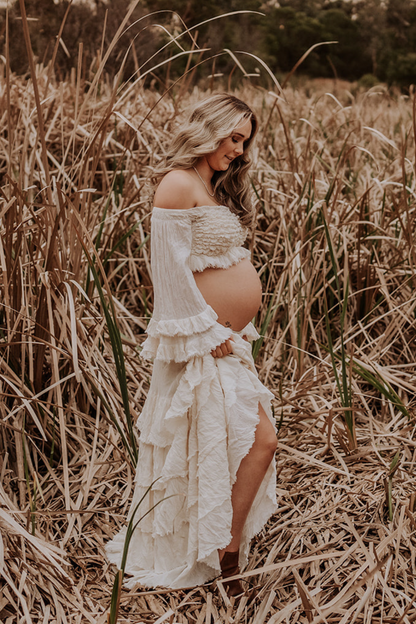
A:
{"x": 123, "y": 239}
{"x": 117, "y": 347}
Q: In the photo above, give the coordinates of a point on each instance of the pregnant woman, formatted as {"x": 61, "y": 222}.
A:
{"x": 206, "y": 429}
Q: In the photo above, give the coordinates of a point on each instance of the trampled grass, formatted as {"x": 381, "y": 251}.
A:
{"x": 334, "y": 181}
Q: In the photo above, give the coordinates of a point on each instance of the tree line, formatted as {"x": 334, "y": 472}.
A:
{"x": 374, "y": 38}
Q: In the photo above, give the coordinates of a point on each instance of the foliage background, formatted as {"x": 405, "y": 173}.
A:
{"x": 376, "y": 38}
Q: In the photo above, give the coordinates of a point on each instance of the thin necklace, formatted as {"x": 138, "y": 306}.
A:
{"x": 202, "y": 180}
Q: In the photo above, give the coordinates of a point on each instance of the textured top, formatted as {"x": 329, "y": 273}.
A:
{"x": 217, "y": 235}
{"x": 183, "y": 242}
{"x": 215, "y": 231}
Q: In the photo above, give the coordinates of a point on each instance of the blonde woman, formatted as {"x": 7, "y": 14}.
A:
{"x": 206, "y": 430}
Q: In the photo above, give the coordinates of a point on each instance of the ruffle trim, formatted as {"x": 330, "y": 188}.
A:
{"x": 184, "y": 326}
{"x": 200, "y": 262}
{"x": 181, "y": 348}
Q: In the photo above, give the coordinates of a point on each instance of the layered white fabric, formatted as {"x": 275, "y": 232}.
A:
{"x": 199, "y": 418}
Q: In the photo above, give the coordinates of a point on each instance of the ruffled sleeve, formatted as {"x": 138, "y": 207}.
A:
{"x": 183, "y": 324}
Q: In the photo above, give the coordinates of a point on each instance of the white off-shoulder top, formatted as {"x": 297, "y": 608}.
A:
{"x": 183, "y": 242}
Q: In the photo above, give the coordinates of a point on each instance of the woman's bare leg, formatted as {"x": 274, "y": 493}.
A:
{"x": 250, "y": 474}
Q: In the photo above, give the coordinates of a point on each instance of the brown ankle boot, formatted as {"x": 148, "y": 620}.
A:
{"x": 229, "y": 567}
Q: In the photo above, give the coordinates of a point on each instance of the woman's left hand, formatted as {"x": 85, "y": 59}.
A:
{"x": 223, "y": 349}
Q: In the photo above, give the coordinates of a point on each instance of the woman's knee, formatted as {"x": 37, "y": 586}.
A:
{"x": 266, "y": 436}
{"x": 270, "y": 445}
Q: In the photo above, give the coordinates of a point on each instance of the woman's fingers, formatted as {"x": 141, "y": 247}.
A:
{"x": 223, "y": 349}
{"x": 226, "y": 347}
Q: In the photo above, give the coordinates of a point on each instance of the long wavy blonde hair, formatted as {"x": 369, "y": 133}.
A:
{"x": 210, "y": 122}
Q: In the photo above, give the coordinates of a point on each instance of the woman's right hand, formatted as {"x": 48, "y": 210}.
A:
{"x": 223, "y": 349}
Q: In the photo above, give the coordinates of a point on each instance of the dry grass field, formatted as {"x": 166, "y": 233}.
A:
{"x": 335, "y": 193}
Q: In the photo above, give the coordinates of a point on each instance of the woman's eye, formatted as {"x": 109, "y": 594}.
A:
{"x": 235, "y": 140}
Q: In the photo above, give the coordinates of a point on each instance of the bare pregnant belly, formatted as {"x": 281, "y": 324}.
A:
{"x": 234, "y": 293}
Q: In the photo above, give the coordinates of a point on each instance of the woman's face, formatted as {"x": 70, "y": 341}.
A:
{"x": 231, "y": 147}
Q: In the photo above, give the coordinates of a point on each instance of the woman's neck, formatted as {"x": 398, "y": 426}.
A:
{"x": 205, "y": 171}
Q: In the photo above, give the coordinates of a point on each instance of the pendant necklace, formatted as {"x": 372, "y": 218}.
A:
{"x": 202, "y": 180}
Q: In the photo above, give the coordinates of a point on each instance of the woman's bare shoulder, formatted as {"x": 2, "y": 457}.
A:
{"x": 176, "y": 190}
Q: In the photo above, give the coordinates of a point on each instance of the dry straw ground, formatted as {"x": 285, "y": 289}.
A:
{"x": 334, "y": 178}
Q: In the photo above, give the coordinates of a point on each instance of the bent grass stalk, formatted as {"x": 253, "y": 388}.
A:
{"x": 376, "y": 380}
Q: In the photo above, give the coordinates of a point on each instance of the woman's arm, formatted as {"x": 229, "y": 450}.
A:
{"x": 183, "y": 324}
{"x": 177, "y": 191}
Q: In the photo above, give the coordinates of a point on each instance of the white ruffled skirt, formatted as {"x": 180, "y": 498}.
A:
{"x": 196, "y": 426}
